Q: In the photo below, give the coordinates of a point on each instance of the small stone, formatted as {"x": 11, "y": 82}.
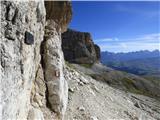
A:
{"x": 85, "y": 81}
{"x": 29, "y": 38}
{"x": 95, "y": 88}
{"x": 71, "y": 90}
{"x": 81, "y": 108}
{"x": 137, "y": 105}
{"x": 81, "y": 83}
{"x": 92, "y": 92}
{"x": 57, "y": 73}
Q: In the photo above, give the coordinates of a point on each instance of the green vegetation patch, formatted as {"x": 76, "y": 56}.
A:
{"x": 69, "y": 65}
{"x": 128, "y": 83}
{"x": 86, "y": 65}
{"x": 131, "y": 87}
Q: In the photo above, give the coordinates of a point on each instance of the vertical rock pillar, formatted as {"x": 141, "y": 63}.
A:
{"x": 58, "y": 17}
{"x": 53, "y": 70}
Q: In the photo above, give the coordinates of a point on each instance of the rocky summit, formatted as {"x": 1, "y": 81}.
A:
{"x": 78, "y": 47}
{"x": 38, "y": 80}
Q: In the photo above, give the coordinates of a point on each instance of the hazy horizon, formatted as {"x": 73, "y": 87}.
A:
{"x": 132, "y": 51}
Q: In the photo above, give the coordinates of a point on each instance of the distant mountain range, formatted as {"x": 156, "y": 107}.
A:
{"x": 145, "y": 63}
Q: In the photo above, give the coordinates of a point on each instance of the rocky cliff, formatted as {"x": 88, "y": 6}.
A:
{"x": 31, "y": 59}
{"x": 34, "y": 77}
{"x": 78, "y": 47}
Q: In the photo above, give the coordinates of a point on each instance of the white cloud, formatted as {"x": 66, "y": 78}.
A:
{"x": 107, "y": 40}
{"x": 123, "y": 45}
{"x": 130, "y": 47}
{"x": 138, "y": 11}
{"x": 116, "y": 39}
{"x": 149, "y": 38}
{"x": 144, "y": 42}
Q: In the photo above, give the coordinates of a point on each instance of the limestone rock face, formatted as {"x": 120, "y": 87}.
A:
{"x": 78, "y": 47}
{"x": 31, "y": 67}
{"x": 59, "y": 15}
{"x": 53, "y": 69}
{"x": 18, "y": 60}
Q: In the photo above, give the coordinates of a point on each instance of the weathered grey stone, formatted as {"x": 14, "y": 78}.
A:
{"x": 11, "y": 11}
{"x": 53, "y": 68}
{"x": 22, "y": 82}
{"x": 40, "y": 12}
{"x": 18, "y": 61}
{"x": 81, "y": 108}
{"x": 71, "y": 90}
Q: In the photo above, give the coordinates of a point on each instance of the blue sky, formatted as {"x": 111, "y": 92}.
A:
{"x": 119, "y": 26}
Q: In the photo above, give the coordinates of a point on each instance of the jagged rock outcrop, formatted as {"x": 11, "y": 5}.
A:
{"x": 59, "y": 15}
{"x": 78, "y": 47}
{"x": 98, "y": 51}
{"x": 31, "y": 67}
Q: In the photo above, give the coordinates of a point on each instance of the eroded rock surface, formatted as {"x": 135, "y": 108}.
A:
{"x": 53, "y": 70}
{"x": 19, "y": 61}
{"x": 32, "y": 87}
{"x": 78, "y": 47}
{"x": 59, "y": 15}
